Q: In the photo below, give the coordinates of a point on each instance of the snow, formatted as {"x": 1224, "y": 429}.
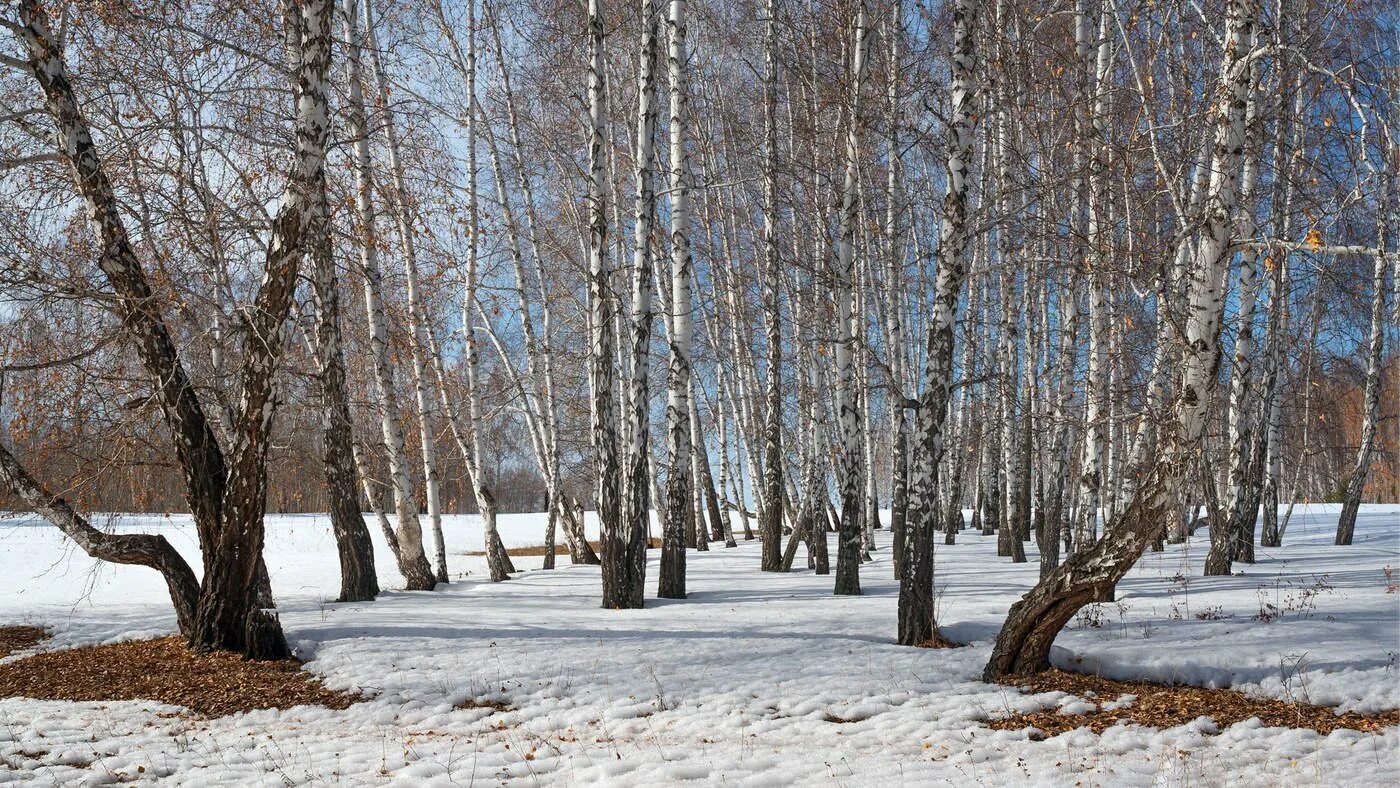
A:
{"x": 756, "y": 679}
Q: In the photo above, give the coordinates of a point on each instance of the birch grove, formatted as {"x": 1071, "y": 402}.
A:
{"x": 1070, "y": 281}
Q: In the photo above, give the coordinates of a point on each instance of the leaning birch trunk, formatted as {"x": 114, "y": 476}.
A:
{"x": 680, "y": 481}
{"x": 417, "y": 312}
{"x": 917, "y": 624}
{"x": 497, "y": 560}
{"x": 852, "y": 507}
{"x": 771, "y": 516}
{"x": 374, "y": 495}
{"x": 408, "y": 543}
{"x": 1346, "y": 523}
{"x": 708, "y": 494}
{"x": 1023, "y": 645}
{"x": 150, "y": 550}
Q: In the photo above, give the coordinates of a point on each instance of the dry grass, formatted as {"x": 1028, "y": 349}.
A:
{"x": 15, "y": 638}
{"x": 166, "y": 670}
{"x": 559, "y": 549}
{"x": 1164, "y": 706}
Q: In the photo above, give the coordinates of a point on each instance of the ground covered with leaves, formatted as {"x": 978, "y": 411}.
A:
{"x": 17, "y": 638}
{"x": 1165, "y": 706}
{"x": 166, "y": 670}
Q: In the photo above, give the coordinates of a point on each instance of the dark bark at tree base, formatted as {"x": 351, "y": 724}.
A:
{"x": 263, "y": 639}
{"x": 418, "y": 575}
{"x": 1268, "y": 534}
{"x": 848, "y": 548}
{"x": 549, "y": 532}
{"x": 671, "y": 577}
{"x": 916, "y": 614}
{"x": 953, "y": 517}
{"x": 771, "y": 530}
{"x": 1217, "y": 562}
{"x": 580, "y": 551}
{"x": 1346, "y": 522}
{"x": 713, "y": 510}
{"x": 358, "y": 580}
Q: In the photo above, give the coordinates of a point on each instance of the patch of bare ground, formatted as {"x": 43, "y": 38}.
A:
{"x": 166, "y": 670}
{"x": 498, "y": 706}
{"x": 1165, "y": 706}
{"x": 559, "y": 549}
{"x": 15, "y": 638}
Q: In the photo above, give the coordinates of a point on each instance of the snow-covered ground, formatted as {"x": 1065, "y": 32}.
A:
{"x": 757, "y": 679}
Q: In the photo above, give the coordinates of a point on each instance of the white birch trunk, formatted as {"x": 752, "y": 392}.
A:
{"x": 916, "y": 613}
{"x": 412, "y": 559}
{"x": 680, "y": 482}
{"x": 849, "y": 323}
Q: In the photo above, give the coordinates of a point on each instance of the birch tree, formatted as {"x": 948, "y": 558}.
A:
{"x": 849, "y": 324}
{"x": 225, "y": 483}
{"x": 771, "y": 527}
{"x": 917, "y": 625}
{"x": 679, "y": 488}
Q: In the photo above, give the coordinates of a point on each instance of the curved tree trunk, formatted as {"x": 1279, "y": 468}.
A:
{"x": 1023, "y": 645}
{"x": 226, "y": 493}
{"x": 150, "y": 550}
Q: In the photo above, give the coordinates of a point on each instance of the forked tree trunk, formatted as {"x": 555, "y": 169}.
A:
{"x": 225, "y": 492}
